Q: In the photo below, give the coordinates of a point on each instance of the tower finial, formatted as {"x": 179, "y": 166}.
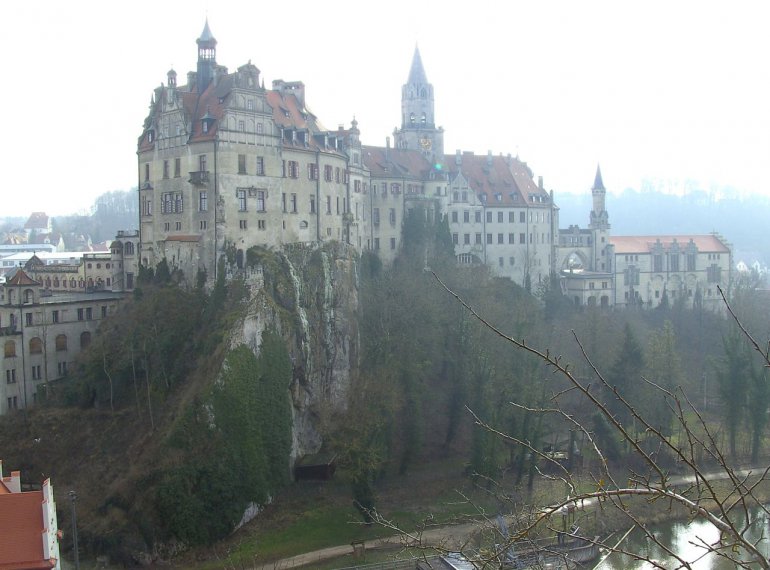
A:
{"x": 598, "y": 183}
{"x": 417, "y": 72}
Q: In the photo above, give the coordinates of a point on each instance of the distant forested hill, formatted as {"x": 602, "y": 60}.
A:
{"x": 741, "y": 220}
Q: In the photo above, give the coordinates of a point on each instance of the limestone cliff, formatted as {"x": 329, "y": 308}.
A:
{"x": 309, "y": 294}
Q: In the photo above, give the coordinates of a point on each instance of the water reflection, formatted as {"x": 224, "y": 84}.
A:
{"x": 687, "y": 540}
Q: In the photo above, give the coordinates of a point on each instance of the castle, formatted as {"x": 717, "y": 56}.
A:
{"x": 227, "y": 164}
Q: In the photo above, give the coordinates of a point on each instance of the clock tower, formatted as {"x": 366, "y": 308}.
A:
{"x": 418, "y": 125}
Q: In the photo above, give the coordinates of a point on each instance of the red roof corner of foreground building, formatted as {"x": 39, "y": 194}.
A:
{"x": 29, "y": 537}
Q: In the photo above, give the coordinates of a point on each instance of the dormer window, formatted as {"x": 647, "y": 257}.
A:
{"x": 205, "y": 126}
{"x": 499, "y": 197}
{"x": 150, "y": 136}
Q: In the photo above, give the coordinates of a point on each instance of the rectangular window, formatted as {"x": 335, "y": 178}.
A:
{"x": 328, "y": 173}
{"x": 260, "y": 200}
{"x": 337, "y": 174}
{"x": 242, "y": 224}
{"x": 202, "y": 163}
{"x": 62, "y": 368}
{"x": 241, "y": 126}
{"x": 466, "y": 216}
{"x": 674, "y": 259}
{"x": 260, "y": 166}
{"x": 89, "y": 313}
{"x": 293, "y": 203}
{"x": 376, "y": 243}
{"x": 147, "y": 172}
{"x": 376, "y": 216}
{"x": 104, "y": 311}
{"x": 328, "y": 204}
{"x": 177, "y": 208}
{"x": 657, "y": 263}
{"x": 240, "y": 194}
{"x": 283, "y": 201}
{"x": 500, "y": 217}
{"x": 489, "y": 217}
{"x": 500, "y": 238}
{"x": 477, "y": 216}
{"x": 54, "y": 316}
{"x": 522, "y": 238}
{"x": 10, "y": 376}
{"x": 466, "y": 239}
{"x": 522, "y": 217}
{"x": 338, "y": 205}
{"x": 178, "y": 226}
{"x": 392, "y": 243}
{"x": 13, "y": 403}
{"x": 293, "y": 169}
{"x": 357, "y": 186}
{"x": 511, "y": 238}
{"x": 261, "y": 224}
{"x": 36, "y": 372}
{"x": 312, "y": 204}
{"x": 80, "y": 314}
{"x": 312, "y": 171}
{"x": 165, "y": 169}
{"x": 690, "y": 262}
{"x": 260, "y": 128}
{"x": 478, "y": 239}
{"x": 241, "y": 164}
{"x": 203, "y": 202}
{"x": 489, "y": 238}
{"x": 511, "y": 217}
{"x": 28, "y": 319}
{"x": 455, "y": 239}
{"x": 177, "y": 167}
{"x": 454, "y": 217}
{"x": 392, "y": 216}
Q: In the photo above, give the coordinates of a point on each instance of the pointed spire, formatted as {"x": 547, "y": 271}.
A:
{"x": 598, "y": 183}
{"x": 206, "y": 34}
{"x": 417, "y": 73}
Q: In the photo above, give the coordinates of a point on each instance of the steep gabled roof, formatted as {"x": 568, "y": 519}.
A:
{"x": 395, "y": 163}
{"x": 505, "y": 181}
{"x": 37, "y": 221}
{"x": 598, "y": 182}
{"x": 20, "y": 279}
{"x": 417, "y": 71}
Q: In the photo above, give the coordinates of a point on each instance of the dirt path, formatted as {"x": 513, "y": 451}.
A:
{"x": 453, "y": 537}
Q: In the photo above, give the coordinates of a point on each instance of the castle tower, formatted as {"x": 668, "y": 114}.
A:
{"x": 599, "y": 216}
{"x": 418, "y": 125}
{"x": 207, "y": 58}
{"x": 600, "y": 227}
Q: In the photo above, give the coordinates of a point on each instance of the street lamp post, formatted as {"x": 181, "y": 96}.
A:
{"x": 73, "y": 498}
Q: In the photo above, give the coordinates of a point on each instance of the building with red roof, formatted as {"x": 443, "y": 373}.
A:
{"x": 226, "y": 163}
{"x": 29, "y": 534}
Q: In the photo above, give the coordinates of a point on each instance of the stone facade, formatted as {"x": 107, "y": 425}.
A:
{"x": 226, "y": 164}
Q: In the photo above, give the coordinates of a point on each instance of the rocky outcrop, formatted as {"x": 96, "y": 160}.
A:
{"x": 309, "y": 294}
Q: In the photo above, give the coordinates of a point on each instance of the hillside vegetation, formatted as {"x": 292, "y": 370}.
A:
{"x": 175, "y": 423}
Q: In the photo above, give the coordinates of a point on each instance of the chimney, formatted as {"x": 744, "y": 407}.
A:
{"x": 540, "y": 182}
{"x": 387, "y": 142}
{"x": 489, "y": 158}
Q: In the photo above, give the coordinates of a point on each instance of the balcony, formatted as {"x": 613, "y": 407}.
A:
{"x": 199, "y": 177}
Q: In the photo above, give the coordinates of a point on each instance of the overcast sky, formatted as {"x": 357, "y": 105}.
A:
{"x": 668, "y": 91}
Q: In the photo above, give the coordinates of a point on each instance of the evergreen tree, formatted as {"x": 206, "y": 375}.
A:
{"x": 625, "y": 376}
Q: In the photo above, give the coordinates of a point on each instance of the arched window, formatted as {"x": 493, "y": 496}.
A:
{"x": 29, "y": 296}
{"x": 47, "y": 282}
{"x": 423, "y": 93}
{"x": 10, "y": 348}
{"x": 55, "y": 281}
{"x": 81, "y": 283}
{"x": 73, "y": 283}
{"x": 35, "y": 345}
{"x": 61, "y": 342}
{"x": 85, "y": 339}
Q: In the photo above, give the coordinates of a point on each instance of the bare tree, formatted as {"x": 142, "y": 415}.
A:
{"x": 711, "y": 487}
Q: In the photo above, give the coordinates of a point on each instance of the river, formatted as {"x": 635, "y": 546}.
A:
{"x": 683, "y": 537}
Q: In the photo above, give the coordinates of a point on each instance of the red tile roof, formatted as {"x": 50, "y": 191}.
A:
{"x": 21, "y": 532}
{"x": 20, "y": 279}
{"x": 396, "y": 163}
{"x": 644, "y": 244}
{"x": 37, "y": 221}
{"x": 494, "y": 176}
